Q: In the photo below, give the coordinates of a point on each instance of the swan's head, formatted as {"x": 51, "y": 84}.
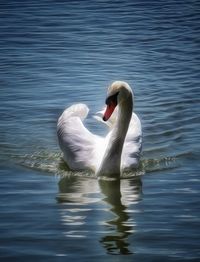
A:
{"x": 118, "y": 92}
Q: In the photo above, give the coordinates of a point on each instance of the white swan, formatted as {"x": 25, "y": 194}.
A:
{"x": 106, "y": 156}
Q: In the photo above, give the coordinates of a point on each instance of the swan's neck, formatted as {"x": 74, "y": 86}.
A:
{"x": 110, "y": 165}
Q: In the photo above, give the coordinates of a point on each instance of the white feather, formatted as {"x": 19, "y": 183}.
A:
{"x": 83, "y": 150}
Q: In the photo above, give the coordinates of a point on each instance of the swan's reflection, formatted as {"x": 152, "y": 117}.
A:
{"x": 77, "y": 190}
{"x": 83, "y": 206}
{"x": 116, "y": 241}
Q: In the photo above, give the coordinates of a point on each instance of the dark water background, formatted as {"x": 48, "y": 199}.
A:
{"x": 56, "y": 53}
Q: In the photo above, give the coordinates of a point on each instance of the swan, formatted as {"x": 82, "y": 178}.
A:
{"x": 107, "y": 156}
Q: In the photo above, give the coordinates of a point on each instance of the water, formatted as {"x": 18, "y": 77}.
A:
{"x": 56, "y": 53}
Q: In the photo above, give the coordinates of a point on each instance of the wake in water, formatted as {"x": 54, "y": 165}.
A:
{"x": 52, "y": 163}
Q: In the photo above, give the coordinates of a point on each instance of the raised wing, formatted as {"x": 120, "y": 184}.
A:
{"x": 79, "y": 145}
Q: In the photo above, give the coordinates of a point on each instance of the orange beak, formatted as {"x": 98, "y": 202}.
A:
{"x": 109, "y": 110}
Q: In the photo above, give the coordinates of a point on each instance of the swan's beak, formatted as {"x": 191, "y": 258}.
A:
{"x": 109, "y": 110}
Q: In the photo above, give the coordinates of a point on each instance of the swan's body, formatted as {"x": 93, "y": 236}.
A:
{"x": 106, "y": 156}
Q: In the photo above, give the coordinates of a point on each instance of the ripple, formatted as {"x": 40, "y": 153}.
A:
{"x": 53, "y": 164}
{"x": 42, "y": 161}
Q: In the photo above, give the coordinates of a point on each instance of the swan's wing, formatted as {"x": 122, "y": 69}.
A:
{"x": 79, "y": 145}
{"x": 132, "y": 145}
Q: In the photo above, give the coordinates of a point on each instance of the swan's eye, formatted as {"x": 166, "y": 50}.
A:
{"x": 112, "y": 99}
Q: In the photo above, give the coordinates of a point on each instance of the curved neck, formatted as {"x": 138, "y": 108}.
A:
{"x": 110, "y": 165}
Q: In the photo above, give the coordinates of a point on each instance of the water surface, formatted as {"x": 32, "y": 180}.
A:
{"x": 56, "y": 53}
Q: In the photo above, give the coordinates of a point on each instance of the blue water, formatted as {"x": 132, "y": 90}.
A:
{"x": 56, "y": 53}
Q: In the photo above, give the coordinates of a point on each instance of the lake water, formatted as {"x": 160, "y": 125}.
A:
{"x": 56, "y": 53}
